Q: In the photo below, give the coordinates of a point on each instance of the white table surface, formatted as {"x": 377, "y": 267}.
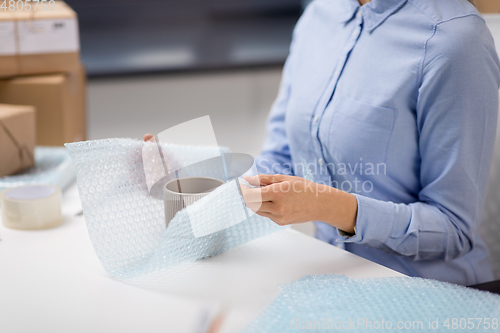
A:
{"x": 51, "y": 281}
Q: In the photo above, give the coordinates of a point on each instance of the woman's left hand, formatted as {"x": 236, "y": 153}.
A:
{"x": 289, "y": 200}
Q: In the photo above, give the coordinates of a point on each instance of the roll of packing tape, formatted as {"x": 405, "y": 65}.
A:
{"x": 31, "y": 207}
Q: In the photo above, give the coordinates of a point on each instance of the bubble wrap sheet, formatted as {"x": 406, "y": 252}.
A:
{"x": 52, "y": 166}
{"x": 127, "y": 226}
{"x": 338, "y": 303}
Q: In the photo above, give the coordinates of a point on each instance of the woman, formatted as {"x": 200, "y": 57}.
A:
{"x": 390, "y": 107}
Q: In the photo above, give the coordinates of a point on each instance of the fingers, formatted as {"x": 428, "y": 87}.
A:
{"x": 251, "y": 195}
{"x": 267, "y": 207}
{"x": 263, "y": 180}
{"x": 252, "y": 180}
{"x": 271, "y": 179}
{"x": 147, "y": 137}
{"x": 258, "y": 195}
{"x": 254, "y": 203}
{"x": 258, "y": 206}
{"x": 273, "y": 218}
{"x": 252, "y": 198}
{"x": 268, "y": 215}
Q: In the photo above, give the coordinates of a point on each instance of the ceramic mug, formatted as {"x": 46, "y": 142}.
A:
{"x": 179, "y": 193}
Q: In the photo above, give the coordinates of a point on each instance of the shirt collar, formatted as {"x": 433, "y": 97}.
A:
{"x": 374, "y": 12}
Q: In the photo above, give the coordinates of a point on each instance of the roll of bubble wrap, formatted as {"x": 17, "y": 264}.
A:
{"x": 338, "y": 303}
{"x": 127, "y": 225}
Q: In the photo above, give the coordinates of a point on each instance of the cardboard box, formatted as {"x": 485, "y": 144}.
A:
{"x": 59, "y": 100}
{"x": 37, "y": 41}
{"x": 488, "y": 6}
{"x": 17, "y": 138}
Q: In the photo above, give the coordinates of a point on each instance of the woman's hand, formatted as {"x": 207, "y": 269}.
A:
{"x": 289, "y": 199}
{"x": 147, "y": 137}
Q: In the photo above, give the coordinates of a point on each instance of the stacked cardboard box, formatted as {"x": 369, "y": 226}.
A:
{"x": 40, "y": 66}
{"x": 38, "y": 41}
{"x": 59, "y": 100}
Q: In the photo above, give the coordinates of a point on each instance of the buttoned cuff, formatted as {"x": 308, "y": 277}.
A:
{"x": 374, "y": 222}
{"x": 346, "y": 234}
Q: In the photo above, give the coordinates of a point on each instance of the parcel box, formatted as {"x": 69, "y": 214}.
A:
{"x": 59, "y": 100}
{"x": 38, "y": 41}
{"x": 17, "y": 138}
{"x": 488, "y": 6}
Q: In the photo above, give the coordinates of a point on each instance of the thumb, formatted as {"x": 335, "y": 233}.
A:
{"x": 264, "y": 180}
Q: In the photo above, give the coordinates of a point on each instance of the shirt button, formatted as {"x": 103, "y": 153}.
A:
{"x": 315, "y": 119}
{"x": 355, "y": 34}
{"x": 320, "y": 161}
{"x": 336, "y": 73}
{"x": 359, "y": 13}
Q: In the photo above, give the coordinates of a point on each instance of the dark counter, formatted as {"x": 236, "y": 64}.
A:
{"x": 131, "y": 36}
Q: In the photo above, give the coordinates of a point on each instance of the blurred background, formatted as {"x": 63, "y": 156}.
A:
{"x": 154, "y": 64}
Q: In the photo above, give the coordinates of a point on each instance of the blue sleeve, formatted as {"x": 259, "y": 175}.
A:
{"x": 456, "y": 114}
{"x": 275, "y": 155}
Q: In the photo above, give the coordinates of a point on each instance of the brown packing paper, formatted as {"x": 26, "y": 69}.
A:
{"x": 59, "y": 100}
{"x": 17, "y": 138}
{"x": 39, "y": 63}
